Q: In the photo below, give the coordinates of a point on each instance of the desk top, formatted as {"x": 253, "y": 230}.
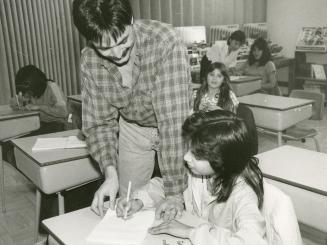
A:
{"x": 296, "y": 166}
{"x": 75, "y": 97}
{"x": 49, "y": 157}
{"x": 73, "y": 228}
{"x": 244, "y": 79}
{"x": 273, "y": 102}
{"x": 6, "y": 113}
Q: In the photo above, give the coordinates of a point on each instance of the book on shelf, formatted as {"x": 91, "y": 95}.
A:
{"x": 318, "y": 71}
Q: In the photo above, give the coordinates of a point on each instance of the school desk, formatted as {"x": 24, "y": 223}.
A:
{"x": 73, "y": 228}
{"x": 302, "y": 174}
{"x": 53, "y": 171}
{"x": 277, "y": 113}
{"x": 14, "y": 124}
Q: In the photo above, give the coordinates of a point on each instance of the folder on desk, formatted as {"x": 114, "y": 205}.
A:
{"x": 43, "y": 144}
{"x": 114, "y": 230}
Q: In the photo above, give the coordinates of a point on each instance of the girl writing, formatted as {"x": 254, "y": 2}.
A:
{"x": 225, "y": 184}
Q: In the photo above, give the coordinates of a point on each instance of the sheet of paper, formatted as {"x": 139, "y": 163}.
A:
{"x": 74, "y": 142}
{"x": 117, "y": 231}
{"x": 43, "y": 144}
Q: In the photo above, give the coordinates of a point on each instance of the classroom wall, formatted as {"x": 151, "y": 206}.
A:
{"x": 286, "y": 18}
{"x": 42, "y": 32}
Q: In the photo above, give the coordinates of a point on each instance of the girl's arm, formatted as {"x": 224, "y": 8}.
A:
{"x": 56, "y": 107}
{"x": 270, "y": 76}
{"x": 249, "y": 225}
{"x": 151, "y": 194}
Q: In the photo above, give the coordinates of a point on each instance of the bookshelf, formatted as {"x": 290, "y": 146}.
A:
{"x": 304, "y": 76}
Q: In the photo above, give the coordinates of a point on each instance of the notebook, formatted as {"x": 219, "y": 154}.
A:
{"x": 43, "y": 144}
{"x": 114, "y": 230}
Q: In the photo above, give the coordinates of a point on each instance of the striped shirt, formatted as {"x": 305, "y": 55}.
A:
{"x": 160, "y": 96}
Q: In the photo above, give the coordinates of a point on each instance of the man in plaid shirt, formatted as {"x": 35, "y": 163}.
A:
{"x": 136, "y": 94}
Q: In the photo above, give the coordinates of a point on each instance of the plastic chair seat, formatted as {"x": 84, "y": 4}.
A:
{"x": 297, "y": 133}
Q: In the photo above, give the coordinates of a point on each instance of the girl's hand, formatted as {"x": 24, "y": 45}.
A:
{"x": 173, "y": 228}
{"x": 131, "y": 207}
{"x": 31, "y": 107}
{"x": 214, "y": 107}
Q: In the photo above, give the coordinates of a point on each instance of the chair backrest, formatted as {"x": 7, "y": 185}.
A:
{"x": 246, "y": 114}
{"x": 281, "y": 222}
{"x": 319, "y": 99}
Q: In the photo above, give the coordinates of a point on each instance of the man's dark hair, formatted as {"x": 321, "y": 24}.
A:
{"x": 237, "y": 36}
{"x": 93, "y": 18}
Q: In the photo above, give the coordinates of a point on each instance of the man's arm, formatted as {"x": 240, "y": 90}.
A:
{"x": 100, "y": 126}
{"x": 172, "y": 101}
{"x": 99, "y": 122}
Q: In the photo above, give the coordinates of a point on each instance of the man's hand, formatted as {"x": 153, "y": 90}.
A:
{"x": 170, "y": 208}
{"x": 109, "y": 188}
{"x": 173, "y": 227}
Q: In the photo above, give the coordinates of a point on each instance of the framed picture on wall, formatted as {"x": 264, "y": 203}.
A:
{"x": 312, "y": 39}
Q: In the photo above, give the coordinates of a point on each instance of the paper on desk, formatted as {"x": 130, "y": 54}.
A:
{"x": 42, "y": 144}
{"x": 114, "y": 230}
{"x": 233, "y": 78}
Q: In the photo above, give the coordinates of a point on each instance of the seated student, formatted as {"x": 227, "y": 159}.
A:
{"x": 38, "y": 93}
{"x": 224, "y": 51}
{"x": 225, "y": 184}
{"x": 259, "y": 64}
{"x": 215, "y": 91}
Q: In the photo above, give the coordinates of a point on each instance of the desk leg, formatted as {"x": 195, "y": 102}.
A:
{"x": 2, "y": 195}
{"x": 279, "y": 135}
{"x": 37, "y": 214}
{"x": 61, "y": 203}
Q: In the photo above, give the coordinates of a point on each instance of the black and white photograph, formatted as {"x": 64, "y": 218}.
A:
{"x": 163, "y": 122}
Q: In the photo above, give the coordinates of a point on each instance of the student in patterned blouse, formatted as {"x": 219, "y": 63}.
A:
{"x": 136, "y": 83}
{"x": 215, "y": 91}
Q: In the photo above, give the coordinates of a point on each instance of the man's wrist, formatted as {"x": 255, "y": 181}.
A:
{"x": 110, "y": 171}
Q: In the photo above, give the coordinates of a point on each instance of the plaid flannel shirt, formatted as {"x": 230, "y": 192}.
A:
{"x": 160, "y": 97}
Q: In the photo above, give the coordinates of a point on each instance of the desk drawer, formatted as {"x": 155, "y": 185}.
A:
{"x": 17, "y": 126}
{"x": 245, "y": 88}
{"x": 57, "y": 177}
{"x": 280, "y": 120}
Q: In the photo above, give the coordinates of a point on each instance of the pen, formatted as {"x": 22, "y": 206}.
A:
{"x": 17, "y": 102}
{"x": 127, "y": 198}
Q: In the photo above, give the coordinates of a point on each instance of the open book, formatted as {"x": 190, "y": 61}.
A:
{"x": 43, "y": 144}
{"x": 117, "y": 231}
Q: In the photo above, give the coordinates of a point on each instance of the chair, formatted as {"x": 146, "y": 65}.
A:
{"x": 246, "y": 114}
{"x": 296, "y": 133}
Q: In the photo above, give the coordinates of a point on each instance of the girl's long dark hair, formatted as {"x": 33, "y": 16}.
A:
{"x": 260, "y": 44}
{"x": 224, "y": 140}
{"x": 224, "y": 100}
{"x": 30, "y": 78}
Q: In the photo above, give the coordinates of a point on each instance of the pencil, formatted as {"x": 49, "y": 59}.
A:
{"x": 127, "y": 198}
{"x": 17, "y": 102}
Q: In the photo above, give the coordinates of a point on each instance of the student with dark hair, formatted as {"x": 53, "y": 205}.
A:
{"x": 38, "y": 93}
{"x": 136, "y": 83}
{"x": 215, "y": 91}
{"x": 225, "y": 184}
{"x": 259, "y": 64}
{"x": 224, "y": 52}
